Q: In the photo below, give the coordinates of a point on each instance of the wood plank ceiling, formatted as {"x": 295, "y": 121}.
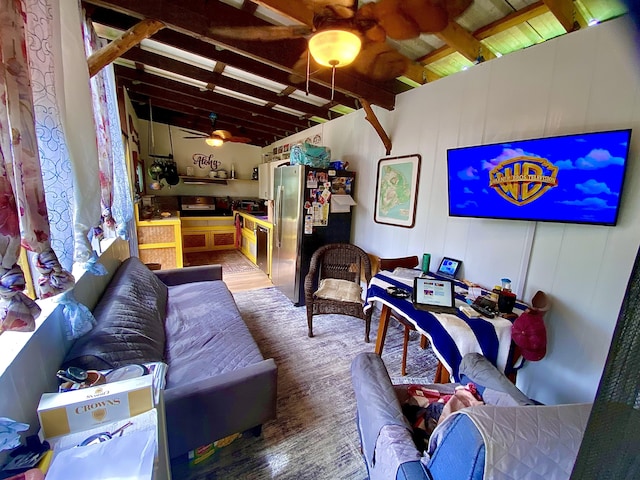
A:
{"x": 184, "y": 72}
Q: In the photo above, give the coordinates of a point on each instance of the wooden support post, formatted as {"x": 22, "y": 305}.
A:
{"x": 373, "y": 120}
{"x": 107, "y": 54}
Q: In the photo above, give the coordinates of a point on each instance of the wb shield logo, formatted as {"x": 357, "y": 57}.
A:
{"x": 521, "y": 180}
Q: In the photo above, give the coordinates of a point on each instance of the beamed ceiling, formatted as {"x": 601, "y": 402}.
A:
{"x": 187, "y": 69}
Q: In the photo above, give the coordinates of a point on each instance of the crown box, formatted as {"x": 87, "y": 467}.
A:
{"x": 77, "y": 410}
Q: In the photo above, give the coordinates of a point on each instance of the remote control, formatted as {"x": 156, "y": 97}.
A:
{"x": 483, "y": 310}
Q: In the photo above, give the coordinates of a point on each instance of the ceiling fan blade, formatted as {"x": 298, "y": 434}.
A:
{"x": 380, "y": 62}
{"x": 455, "y": 8}
{"x": 193, "y": 132}
{"x": 266, "y": 33}
{"x": 223, "y": 134}
{"x": 200, "y": 136}
{"x": 238, "y": 140}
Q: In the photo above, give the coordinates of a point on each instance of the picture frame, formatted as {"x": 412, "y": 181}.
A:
{"x": 397, "y": 190}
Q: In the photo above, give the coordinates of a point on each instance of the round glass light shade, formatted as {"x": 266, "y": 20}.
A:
{"x": 334, "y": 48}
{"x": 214, "y": 141}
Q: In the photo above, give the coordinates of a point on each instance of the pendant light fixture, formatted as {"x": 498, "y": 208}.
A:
{"x": 214, "y": 141}
{"x": 334, "y": 48}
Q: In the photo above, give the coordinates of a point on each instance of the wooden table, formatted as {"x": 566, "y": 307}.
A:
{"x": 451, "y": 336}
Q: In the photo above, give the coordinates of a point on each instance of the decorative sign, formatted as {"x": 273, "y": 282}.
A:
{"x": 521, "y": 180}
{"x": 206, "y": 161}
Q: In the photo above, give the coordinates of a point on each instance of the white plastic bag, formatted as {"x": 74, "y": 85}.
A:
{"x": 129, "y": 457}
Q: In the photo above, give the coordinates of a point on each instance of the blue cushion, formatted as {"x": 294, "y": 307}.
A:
{"x": 460, "y": 453}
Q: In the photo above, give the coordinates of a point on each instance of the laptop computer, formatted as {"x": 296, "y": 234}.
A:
{"x": 449, "y": 267}
{"x": 434, "y": 295}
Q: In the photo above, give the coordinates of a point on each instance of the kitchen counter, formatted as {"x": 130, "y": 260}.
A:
{"x": 159, "y": 220}
{"x": 159, "y": 240}
{"x": 256, "y": 239}
{"x": 260, "y": 218}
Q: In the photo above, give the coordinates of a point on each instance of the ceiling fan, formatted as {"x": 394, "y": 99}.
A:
{"x": 217, "y": 137}
{"x": 372, "y": 23}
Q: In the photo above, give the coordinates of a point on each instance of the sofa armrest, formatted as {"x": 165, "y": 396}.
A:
{"x": 202, "y": 412}
{"x": 177, "y": 276}
{"x": 483, "y": 373}
{"x": 378, "y": 407}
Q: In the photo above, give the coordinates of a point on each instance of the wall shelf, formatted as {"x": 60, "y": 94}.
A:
{"x": 202, "y": 180}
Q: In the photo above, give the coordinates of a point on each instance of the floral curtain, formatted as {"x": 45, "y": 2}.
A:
{"x": 23, "y": 213}
{"x": 103, "y": 129}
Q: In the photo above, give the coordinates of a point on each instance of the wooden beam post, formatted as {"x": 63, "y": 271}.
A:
{"x": 563, "y": 10}
{"x": 129, "y": 39}
{"x": 373, "y": 120}
{"x": 461, "y": 40}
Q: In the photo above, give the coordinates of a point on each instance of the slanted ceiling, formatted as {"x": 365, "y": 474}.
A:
{"x": 183, "y": 72}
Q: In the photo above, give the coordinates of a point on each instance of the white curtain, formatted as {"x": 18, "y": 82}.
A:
{"x": 74, "y": 100}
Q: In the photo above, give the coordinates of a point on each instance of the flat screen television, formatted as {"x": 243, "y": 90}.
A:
{"x": 569, "y": 178}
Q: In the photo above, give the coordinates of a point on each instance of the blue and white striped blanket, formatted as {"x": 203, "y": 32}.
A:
{"x": 451, "y": 336}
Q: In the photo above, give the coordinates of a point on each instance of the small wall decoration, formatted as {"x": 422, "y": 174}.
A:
{"x": 397, "y": 190}
{"x": 206, "y": 161}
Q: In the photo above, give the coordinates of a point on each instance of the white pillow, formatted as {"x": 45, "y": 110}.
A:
{"x": 342, "y": 290}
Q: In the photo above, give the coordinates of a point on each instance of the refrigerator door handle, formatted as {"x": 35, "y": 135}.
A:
{"x": 278, "y": 215}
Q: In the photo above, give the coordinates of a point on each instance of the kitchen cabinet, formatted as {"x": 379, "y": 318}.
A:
{"x": 201, "y": 234}
{"x": 265, "y": 181}
{"x": 265, "y": 178}
{"x": 159, "y": 241}
{"x": 253, "y": 243}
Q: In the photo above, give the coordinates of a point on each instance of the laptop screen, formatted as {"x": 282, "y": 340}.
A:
{"x": 433, "y": 292}
{"x": 449, "y": 267}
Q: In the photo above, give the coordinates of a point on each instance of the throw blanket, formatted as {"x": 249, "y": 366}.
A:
{"x": 451, "y": 336}
{"x": 525, "y": 443}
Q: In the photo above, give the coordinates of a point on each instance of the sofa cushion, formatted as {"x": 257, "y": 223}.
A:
{"x": 206, "y": 335}
{"x": 130, "y": 322}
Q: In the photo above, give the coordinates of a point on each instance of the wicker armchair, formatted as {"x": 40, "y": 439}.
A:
{"x": 337, "y": 268}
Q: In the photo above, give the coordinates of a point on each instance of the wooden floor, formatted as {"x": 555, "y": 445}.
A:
{"x": 237, "y": 271}
{"x": 240, "y": 282}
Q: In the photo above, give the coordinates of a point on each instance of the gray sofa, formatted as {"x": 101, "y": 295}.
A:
{"x": 508, "y": 438}
{"x": 218, "y": 382}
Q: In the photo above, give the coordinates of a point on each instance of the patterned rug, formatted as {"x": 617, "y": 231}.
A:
{"x": 314, "y": 436}
{"x": 232, "y": 261}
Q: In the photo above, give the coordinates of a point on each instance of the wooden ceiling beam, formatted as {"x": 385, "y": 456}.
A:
{"x": 175, "y": 119}
{"x": 165, "y": 63}
{"x": 461, "y": 40}
{"x": 129, "y": 39}
{"x": 513, "y": 19}
{"x": 183, "y": 42}
{"x": 563, "y": 10}
{"x": 191, "y": 106}
{"x": 296, "y": 11}
{"x": 182, "y": 17}
{"x": 223, "y": 122}
{"x": 223, "y": 101}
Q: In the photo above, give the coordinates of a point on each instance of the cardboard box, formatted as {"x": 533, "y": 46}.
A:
{"x": 63, "y": 413}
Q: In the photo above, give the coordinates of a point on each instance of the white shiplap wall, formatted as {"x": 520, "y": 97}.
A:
{"x": 584, "y": 81}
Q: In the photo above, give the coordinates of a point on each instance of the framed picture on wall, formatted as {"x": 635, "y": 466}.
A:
{"x": 397, "y": 190}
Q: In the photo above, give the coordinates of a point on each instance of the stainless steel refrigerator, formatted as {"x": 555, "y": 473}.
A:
{"x": 296, "y": 189}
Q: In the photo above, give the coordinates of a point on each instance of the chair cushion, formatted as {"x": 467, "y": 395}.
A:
{"x": 340, "y": 290}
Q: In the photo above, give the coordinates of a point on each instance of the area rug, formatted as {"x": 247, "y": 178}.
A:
{"x": 232, "y": 261}
{"x": 315, "y": 435}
